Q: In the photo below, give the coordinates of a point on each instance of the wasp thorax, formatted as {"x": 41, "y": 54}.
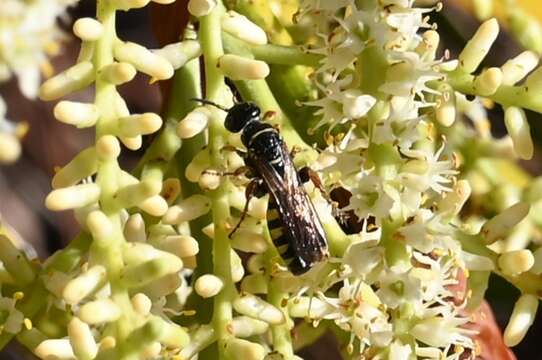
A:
{"x": 240, "y": 115}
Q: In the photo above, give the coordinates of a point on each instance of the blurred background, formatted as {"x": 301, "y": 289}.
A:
{"x": 49, "y": 143}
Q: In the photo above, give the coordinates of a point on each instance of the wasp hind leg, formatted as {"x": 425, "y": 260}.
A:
{"x": 254, "y": 188}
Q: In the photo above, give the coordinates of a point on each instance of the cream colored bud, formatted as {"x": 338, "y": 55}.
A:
{"x": 200, "y": 8}
{"x": 72, "y": 197}
{"x": 249, "y": 241}
{"x": 162, "y": 287}
{"x": 138, "y": 275}
{"x": 108, "y": 147}
{"x": 520, "y": 132}
{"x": 144, "y": 60}
{"x": 199, "y": 163}
{"x": 83, "y": 285}
{"x": 99, "y": 312}
{"x": 452, "y": 202}
{"x": 139, "y": 124}
{"x": 78, "y": 114}
{"x": 445, "y": 111}
{"x": 134, "y": 229}
{"x": 240, "y": 68}
{"x": 129, "y": 4}
{"x": 80, "y": 167}
{"x": 163, "y": 2}
{"x": 75, "y": 78}
{"x": 209, "y": 180}
{"x": 193, "y": 123}
{"x": 99, "y": 225}
{"x": 132, "y": 195}
{"x": 188, "y": 209}
{"x": 500, "y": 225}
{"x": 83, "y": 344}
{"x": 517, "y": 68}
{"x": 118, "y": 73}
{"x": 10, "y": 148}
{"x": 88, "y": 29}
{"x": 107, "y": 342}
{"x": 308, "y": 307}
{"x": 483, "y": 9}
{"x": 154, "y": 205}
{"x": 253, "y": 306}
{"x": 141, "y": 303}
{"x": 55, "y": 349}
{"x": 429, "y": 44}
{"x": 132, "y": 143}
{"x": 240, "y": 26}
{"x": 237, "y": 269}
{"x": 488, "y": 81}
{"x": 256, "y": 264}
{"x": 244, "y": 327}
{"x": 254, "y": 284}
{"x": 208, "y": 285}
{"x": 199, "y": 340}
{"x": 521, "y": 320}
{"x": 235, "y": 349}
{"x": 180, "y": 53}
{"x": 478, "y": 46}
{"x": 516, "y": 261}
{"x": 151, "y": 351}
{"x": 180, "y": 245}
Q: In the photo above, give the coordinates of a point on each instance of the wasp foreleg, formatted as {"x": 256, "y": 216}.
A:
{"x": 254, "y": 188}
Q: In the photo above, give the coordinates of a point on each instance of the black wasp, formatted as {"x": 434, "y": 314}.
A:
{"x": 292, "y": 220}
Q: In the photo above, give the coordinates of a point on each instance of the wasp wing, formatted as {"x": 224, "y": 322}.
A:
{"x": 302, "y": 226}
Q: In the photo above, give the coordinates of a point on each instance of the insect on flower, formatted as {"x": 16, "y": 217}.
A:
{"x": 292, "y": 220}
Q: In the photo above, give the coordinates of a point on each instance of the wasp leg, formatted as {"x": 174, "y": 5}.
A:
{"x": 242, "y": 153}
{"x": 306, "y": 174}
{"x": 295, "y": 150}
{"x": 243, "y": 170}
{"x": 254, "y": 188}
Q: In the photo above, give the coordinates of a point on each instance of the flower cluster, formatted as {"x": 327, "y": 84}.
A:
{"x": 157, "y": 271}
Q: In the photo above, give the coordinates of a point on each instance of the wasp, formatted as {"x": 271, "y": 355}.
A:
{"x": 292, "y": 220}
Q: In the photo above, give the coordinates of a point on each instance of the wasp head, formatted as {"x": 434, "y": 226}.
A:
{"x": 241, "y": 114}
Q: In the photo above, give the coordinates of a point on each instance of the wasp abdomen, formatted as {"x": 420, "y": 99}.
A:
{"x": 277, "y": 232}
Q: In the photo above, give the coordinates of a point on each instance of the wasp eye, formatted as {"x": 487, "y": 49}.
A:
{"x": 241, "y": 114}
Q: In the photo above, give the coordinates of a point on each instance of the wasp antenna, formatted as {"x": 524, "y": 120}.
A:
{"x": 209, "y": 102}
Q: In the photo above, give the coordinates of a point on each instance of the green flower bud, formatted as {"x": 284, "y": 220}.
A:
{"x": 243, "y": 349}
{"x": 517, "y": 68}
{"x": 188, "y": 209}
{"x": 99, "y": 312}
{"x": 499, "y": 226}
{"x": 241, "y": 27}
{"x": 85, "y": 284}
{"x": 75, "y": 78}
{"x": 180, "y": 53}
{"x": 520, "y": 132}
{"x": 478, "y": 46}
{"x": 253, "y": 306}
{"x": 143, "y": 60}
{"x": 521, "y": 320}
{"x": 244, "y": 327}
{"x": 83, "y": 165}
{"x": 239, "y": 68}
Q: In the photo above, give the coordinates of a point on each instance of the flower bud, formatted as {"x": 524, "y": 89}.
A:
{"x": 83, "y": 344}
{"x": 143, "y": 273}
{"x": 200, "y": 8}
{"x": 151, "y": 351}
{"x": 429, "y": 44}
{"x": 180, "y": 245}
{"x": 478, "y": 46}
{"x": 237, "y": 269}
{"x": 132, "y": 143}
{"x": 249, "y": 241}
{"x": 141, "y": 303}
{"x": 483, "y": 9}
{"x": 139, "y": 124}
{"x": 242, "y": 349}
{"x": 15, "y": 262}
{"x": 209, "y": 230}
{"x": 208, "y": 285}
{"x": 99, "y": 312}
{"x": 162, "y": 287}
{"x": 488, "y": 81}
{"x": 171, "y": 334}
{"x": 254, "y": 284}
{"x": 199, "y": 163}
{"x": 199, "y": 340}
{"x": 516, "y": 261}
{"x": 83, "y": 165}
{"x": 75, "y": 78}
{"x": 188, "y": 209}
{"x": 78, "y": 114}
{"x": 533, "y": 83}
{"x": 118, "y": 73}
{"x": 209, "y": 179}
{"x": 134, "y": 229}
{"x": 537, "y": 266}
{"x": 107, "y": 147}
{"x": 517, "y": 68}
{"x": 129, "y": 4}
{"x": 244, "y": 327}
{"x": 256, "y": 264}
{"x": 452, "y": 202}
{"x": 521, "y": 320}
{"x": 88, "y": 29}
{"x": 143, "y": 60}
{"x": 500, "y": 225}
{"x": 55, "y": 349}
{"x": 241, "y": 27}
{"x": 10, "y": 148}
{"x": 253, "y": 306}
{"x": 83, "y": 285}
{"x": 193, "y": 123}
{"x": 180, "y": 53}
{"x": 72, "y": 197}
{"x": 525, "y": 28}
{"x": 445, "y": 110}
{"x": 163, "y": 2}
{"x": 520, "y": 132}
{"x": 154, "y": 205}
{"x": 132, "y": 195}
{"x": 309, "y": 307}
{"x": 239, "y": 68}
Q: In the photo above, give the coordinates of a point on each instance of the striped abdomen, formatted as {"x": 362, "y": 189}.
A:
{"x": 278, "y": 233}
